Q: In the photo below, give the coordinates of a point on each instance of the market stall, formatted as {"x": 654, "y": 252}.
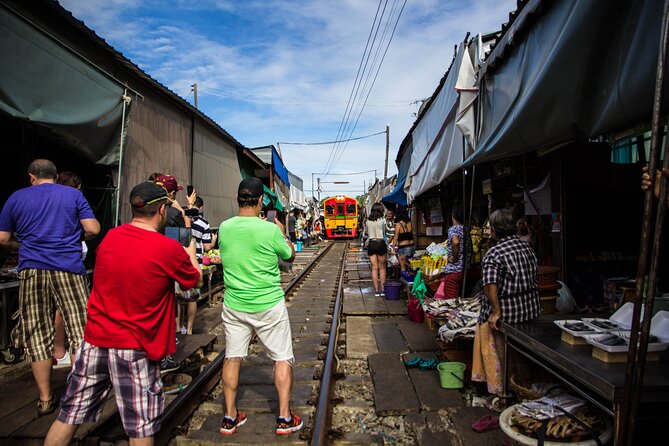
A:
{"x": 574, "y": 366}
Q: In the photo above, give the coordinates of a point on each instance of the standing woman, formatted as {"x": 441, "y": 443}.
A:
{"x": 403, "y": 237}
{"x": 455, "y": 266}
{"x": 375, "y": 227}
{"x": 511, "y": 296}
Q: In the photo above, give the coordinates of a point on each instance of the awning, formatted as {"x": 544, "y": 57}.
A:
{"x": 398, "y": 196}
{"x": 437, "y": 141}
{"x": 44, "y": 82}
{"x": 577, "y": 69}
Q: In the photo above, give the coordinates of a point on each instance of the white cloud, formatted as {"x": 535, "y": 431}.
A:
{"x": 271, "y": 71}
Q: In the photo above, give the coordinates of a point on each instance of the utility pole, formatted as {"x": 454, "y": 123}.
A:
{"x": 194, "y": 94}
{"x": 319, "y": 190}
{"x": 312, "y": 185}
{"x": 385, "y": 171}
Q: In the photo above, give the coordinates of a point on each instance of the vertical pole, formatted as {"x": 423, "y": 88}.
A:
{"x": 126, "y": 100}
{"x": 194, "y": 94}
{"x": 385, "y": 170}
{"x": 312, "y": 185}
{"x": 635, "y": 360}
{"x": 319, "y": 190}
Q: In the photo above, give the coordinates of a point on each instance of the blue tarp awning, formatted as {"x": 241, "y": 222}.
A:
{"x": 279, "y": 167}
{"x": 397, "y": 196}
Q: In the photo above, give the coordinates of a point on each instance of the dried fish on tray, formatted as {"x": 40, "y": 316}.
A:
{"x": 458, "y": 317}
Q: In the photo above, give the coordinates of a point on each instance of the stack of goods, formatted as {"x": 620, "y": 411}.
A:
{"x": 563, "y": 417}
{"x": 548, "y": 288}
{"x": 478, "y": 244}
{"x": 210, "y": 258}
{"x": 456, "y": 317}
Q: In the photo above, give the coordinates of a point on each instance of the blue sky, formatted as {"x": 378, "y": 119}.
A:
{"x": 282, "y": 71}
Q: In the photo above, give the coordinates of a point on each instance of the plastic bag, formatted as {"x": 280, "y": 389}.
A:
{"x": 565, "y": 302}
{"x": 393, "y": 260}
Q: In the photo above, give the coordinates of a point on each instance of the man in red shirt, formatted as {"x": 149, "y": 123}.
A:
{"x": 130, "y": 325}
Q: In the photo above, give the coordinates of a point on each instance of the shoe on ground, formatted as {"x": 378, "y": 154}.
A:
{"x": 229, "y": 426}
{"x": 382, "y": 294}
{"x": 46, "y": 407}
{"x": 377, "y": 294}
{"x": 169, "y": 365}
{"x": 284, "y": 427}
{"x": 65, "y": 361}
{"x": 486, "y": 423}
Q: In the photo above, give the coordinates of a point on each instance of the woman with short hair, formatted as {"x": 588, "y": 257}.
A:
{"x": 511, "y": 289}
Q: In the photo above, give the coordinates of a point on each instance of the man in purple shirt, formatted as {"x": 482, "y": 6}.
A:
{"x": 46, "y": 223}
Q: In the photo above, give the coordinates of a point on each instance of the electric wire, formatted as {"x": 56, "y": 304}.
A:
{"x": 354, "y": 84}
{"x": 357, "y": 84}
{"x": 329, "y": 142}
{"x": 375, "y": 77}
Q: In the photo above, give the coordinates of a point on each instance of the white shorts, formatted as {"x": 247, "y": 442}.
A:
{"x": 272, "y": 327}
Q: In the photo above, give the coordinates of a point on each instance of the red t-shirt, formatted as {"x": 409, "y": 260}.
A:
{"x": 132, "y": 301}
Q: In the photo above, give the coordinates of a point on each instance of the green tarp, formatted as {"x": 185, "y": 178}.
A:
{"x": 44, "y": 82}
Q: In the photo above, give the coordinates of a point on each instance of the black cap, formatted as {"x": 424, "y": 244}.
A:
{"x": 250, "y": 187}
{"x": 147, "y": 192}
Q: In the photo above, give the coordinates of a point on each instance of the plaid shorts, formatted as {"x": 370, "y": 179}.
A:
{"x": 41, "y": 292}
{"x": 136, "y": 382}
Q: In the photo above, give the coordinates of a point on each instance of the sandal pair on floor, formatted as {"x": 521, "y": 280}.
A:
{"x": 422, "y": 363}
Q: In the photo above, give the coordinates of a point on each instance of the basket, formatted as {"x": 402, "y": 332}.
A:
{"x": 522, "y": 392}
{"x": 432, "y": 282}
{"x": 548, "y": 304}
{"x": 548, "y": 275}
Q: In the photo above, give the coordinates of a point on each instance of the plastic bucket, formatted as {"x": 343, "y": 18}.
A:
{"x": 392, "y": 289}
{"x": 451, "y": 374}
{"x": 298, "y": 248}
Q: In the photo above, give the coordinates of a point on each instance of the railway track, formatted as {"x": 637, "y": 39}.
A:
{"x": 314, "y": 299}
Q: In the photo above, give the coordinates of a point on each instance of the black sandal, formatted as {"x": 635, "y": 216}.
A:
{"x": 46, "y": 407}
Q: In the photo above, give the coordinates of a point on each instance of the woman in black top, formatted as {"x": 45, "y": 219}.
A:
{"x": 403, "y": 238}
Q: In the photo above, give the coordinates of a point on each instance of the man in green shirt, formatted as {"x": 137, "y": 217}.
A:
{"x": 254, "y": 303}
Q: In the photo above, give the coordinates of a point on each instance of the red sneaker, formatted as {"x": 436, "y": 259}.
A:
{"x": 284, "y": 427}
{"x": 229, "y": 426}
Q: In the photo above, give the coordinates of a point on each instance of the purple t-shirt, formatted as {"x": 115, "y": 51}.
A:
{"x": 45, "y": 219}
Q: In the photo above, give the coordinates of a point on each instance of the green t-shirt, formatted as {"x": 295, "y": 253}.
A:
{"x": 249, "y": 247}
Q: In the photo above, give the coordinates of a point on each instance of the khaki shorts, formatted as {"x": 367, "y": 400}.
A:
{"x": 41, "y": 292}
{"x": 272, "y": 327}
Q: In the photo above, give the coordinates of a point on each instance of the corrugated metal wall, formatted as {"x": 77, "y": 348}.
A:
{"x": 216, "y": 175}
{"x": 158, "y": 140}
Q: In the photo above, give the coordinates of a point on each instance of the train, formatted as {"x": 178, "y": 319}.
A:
{"x": 341, "y": 217}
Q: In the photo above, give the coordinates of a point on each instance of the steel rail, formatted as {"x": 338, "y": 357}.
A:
{"x": 322, "y": 415}
{"x": 185, "y": 404}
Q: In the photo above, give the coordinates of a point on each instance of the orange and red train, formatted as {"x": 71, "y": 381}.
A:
{"x": 341, "y": 217}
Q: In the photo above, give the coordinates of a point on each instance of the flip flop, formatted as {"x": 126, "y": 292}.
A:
{"x": 414, "y": 362}
{"x": 486, "y": 423}
{"x": 428, "y": 364}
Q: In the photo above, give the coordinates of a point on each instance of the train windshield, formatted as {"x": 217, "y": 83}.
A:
{"x": 340, "y": 208}
{"x": 350, "y": 209}
{"x": 329, "y": 209}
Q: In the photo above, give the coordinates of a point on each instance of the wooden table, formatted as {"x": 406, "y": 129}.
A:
{"x": 598, "y": 382}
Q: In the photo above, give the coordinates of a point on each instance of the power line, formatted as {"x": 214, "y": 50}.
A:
{"x": 375, "y": 77}
{"x": 353, "y": 89}
{"x": 329, "y": 142}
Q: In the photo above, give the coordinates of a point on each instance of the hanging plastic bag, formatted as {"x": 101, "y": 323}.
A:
{"x": 393, "y": 260}
{"x": 415, "y": 309}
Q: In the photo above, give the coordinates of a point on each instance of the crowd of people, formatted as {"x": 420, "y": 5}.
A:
{"x": 120, "y": 332}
